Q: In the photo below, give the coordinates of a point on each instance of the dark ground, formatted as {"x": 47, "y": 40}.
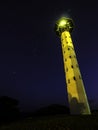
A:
{"x": 53, "y": 117}
{"x": 56, "y": 122}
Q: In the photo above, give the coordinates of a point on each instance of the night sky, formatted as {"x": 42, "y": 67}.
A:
{"x": 31, "y": 63}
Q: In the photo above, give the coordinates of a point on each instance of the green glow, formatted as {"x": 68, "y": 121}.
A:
{"x": 62, "y": 22}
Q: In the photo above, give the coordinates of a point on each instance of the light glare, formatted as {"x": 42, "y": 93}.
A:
{"x": 62, "y": 23}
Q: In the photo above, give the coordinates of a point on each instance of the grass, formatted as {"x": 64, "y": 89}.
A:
{"x": 58, "y": 122}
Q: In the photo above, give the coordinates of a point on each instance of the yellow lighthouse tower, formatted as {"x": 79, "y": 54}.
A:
{"x": 78, "y": 102}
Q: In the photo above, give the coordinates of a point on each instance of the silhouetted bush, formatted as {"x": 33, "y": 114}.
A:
{"x": 53, "y": 109}
{"x": 8, "y": 109}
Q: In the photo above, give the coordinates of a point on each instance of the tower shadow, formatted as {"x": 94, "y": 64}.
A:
{"x": 76, "y": 107}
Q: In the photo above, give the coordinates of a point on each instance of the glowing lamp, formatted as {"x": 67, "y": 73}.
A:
{"x": 63, "y": 24}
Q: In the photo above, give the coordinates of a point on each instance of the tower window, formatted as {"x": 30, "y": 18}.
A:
{"x": 66, "y": 69}
{"x": 69, "y": 56}
{"x": 64, "y": 51}
{"x": 68, "y": 48}
{"x": 68, "y": 80}
{"x": 65, "y": 59}
{"x": 71, "y": 66}
{"x": 67, "y": 42}
{"x": 79, "y": 77}
{"x": 74, "y": 78}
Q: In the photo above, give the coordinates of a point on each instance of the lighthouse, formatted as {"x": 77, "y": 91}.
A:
{"x": 77, "y": 98}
